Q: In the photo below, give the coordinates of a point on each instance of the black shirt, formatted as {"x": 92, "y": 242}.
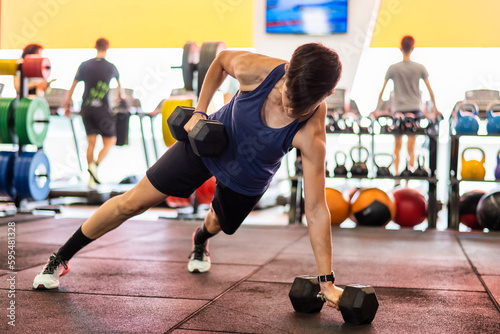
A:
{"x": 96, "y": 73}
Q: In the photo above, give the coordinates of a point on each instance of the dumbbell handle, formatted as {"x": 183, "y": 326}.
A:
{"x": 321, "y": 297}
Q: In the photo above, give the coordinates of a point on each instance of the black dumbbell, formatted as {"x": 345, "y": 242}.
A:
{"x": 358, "y": 303}
{"x": 208, "y": 138}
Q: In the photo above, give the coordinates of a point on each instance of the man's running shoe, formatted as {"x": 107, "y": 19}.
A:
{"x": 49, "y": 277}
{"x": 199, "y": 259}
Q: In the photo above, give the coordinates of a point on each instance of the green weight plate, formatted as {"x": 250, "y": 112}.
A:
{"x": 7, "y": 129}
{"x": 31, "y": 121}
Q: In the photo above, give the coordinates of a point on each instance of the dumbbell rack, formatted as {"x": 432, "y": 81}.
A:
{"x": 297, "y": 203}
{"x": 454, "y": 189}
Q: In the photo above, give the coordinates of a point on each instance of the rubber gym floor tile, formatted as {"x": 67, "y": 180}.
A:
{"x": 377, "y": 271}
{"x": 21, "y": 218}
{"x": 171, "y": 250}
{"x": 27, "y": 255}
{"x": 60, "y": 235}
{"x": 493, "y": 284}
{"x": 265, "y": 308}
{"x": 48, "y": 312}
{"x": 248, "y": 246}
{"x": 484, "y": 252}
{"x": 141, "y": 278}
{"x": 387, "y": 244}
{"x": 40, "y": 225}
{"x": 409, "y": 248}
{"x": 261, "y": 308}
{"x": 189, "y": 331}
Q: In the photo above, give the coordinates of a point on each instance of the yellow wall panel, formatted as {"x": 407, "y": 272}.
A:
{"x": 438, "y": 23}
{"x": 126, "y": 23}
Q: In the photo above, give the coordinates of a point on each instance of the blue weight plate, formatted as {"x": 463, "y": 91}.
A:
{"x": 3, "y": 174}
{"x": 25, "y": 172}
{"x": 21, "y": 175}
{"x": 39, "y": 186}
{"x": 7, "y": 160}
{"x": 18, "y": 164}
{"x": 22, "y": 185}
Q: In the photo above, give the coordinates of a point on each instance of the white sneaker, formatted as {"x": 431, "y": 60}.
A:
{"x": 93, "y": 172}
{"x": 49, "y": 277}
{"x": 199, "y": 259}
{"x": 92, "y": 183}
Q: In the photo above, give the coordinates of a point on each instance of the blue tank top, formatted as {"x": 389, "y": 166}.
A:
{"x": 255, "y": 151}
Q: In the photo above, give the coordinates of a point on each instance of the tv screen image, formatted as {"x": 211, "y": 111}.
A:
{"x": 315, "y": 17}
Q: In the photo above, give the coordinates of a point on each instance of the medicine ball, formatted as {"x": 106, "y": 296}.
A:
{"x": 467, "y": 208}
{"x": 338, "y": 206}
{"x": 179, "y": 202}
{"x": 488, "y": 211}
{"x": 411, "y": 207}
{"x": 372, "y": 207}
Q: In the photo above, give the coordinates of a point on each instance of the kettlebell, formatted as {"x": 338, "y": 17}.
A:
{"x": 420, "y": 171}
{"x": 493, "y": 123}
{"x": 364, "y": 125}
{"x": 473, "y": 169}
{"x": 467, "y": 123}
{"x": 421, "y": 125}
{"x": 386, "y": 123}
{"x": 384, "y": 171}
{"x": 409, "y": 123}
{"x": 330, "y": 124}
{"x": 497, "y": 170}
{"x": 359, "y": 167}
{"x": 340, "y": 170}
{"x": 349, "y": 121}
{"x": 406, "y": 172}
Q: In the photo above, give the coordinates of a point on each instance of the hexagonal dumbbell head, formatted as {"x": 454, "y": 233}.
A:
{"x": 358, "y": 304}
{"x": 208, "y": 138}
{"x": 304, "y": 294}
{"x": 176, "y": 121}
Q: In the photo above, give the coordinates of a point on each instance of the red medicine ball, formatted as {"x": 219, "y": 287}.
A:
{"x": 411, "y": 207}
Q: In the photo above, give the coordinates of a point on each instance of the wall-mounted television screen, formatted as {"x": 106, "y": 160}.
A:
{"x": 315, "y": 17}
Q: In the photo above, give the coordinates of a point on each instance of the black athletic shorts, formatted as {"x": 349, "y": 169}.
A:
{"x": 179, "y": 172}
{"x": 415, "y": 113}
{"x": 99, "y": 122}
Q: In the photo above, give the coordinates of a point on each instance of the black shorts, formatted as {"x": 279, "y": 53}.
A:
{"x": 99, "y": 122}
{"x": 179, "y": 172}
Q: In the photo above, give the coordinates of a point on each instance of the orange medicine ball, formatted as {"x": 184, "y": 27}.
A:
{"x": 372, "y": 207}
{"x": 338, "y": 206}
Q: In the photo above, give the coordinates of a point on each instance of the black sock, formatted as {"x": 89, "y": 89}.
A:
{"x": 202, "y": 235}
{"x": 73, "y": 245}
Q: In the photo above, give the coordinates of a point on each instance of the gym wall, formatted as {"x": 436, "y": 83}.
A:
{"x": 361, "y": 17}
{"x": 61, "y": 24}
{"x": 458, "y": 56}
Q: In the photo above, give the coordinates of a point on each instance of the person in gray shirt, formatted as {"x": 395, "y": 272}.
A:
{"x": 405, "y": 98}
